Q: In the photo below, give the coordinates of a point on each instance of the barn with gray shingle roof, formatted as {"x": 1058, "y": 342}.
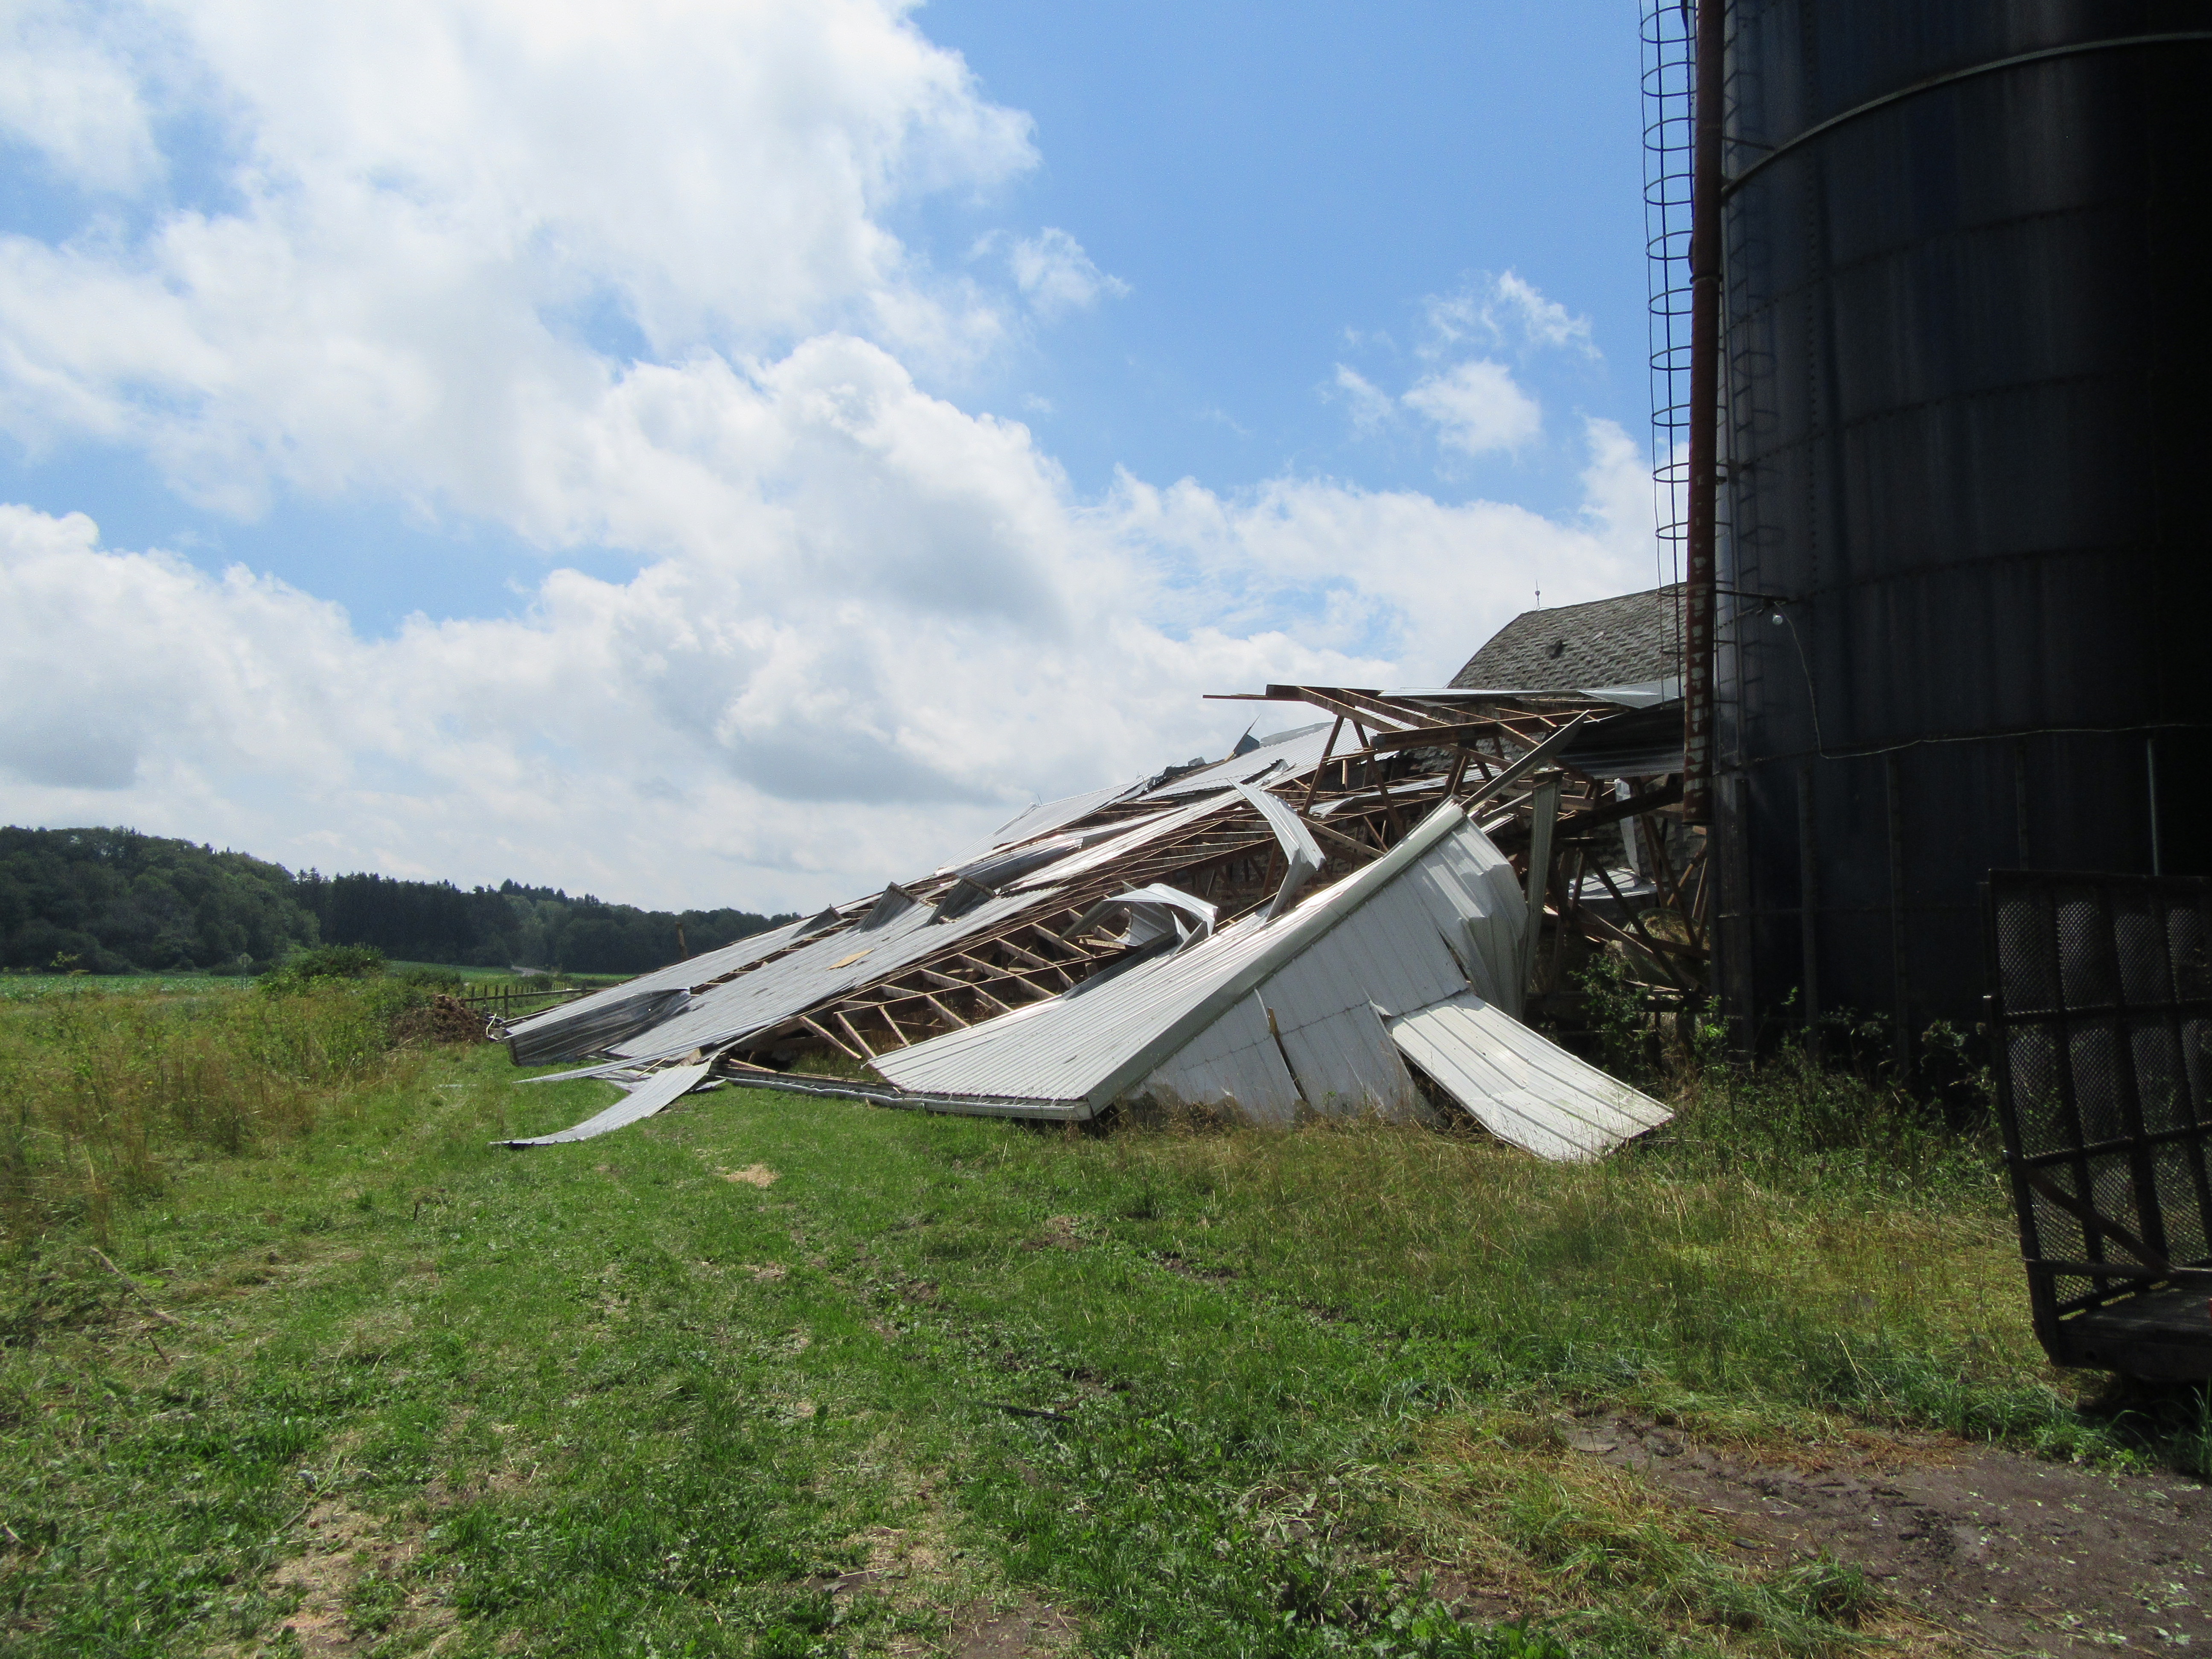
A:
{"x": 1631, "y": 638}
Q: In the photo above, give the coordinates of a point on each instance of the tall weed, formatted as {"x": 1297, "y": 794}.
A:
{"x": 102, "y": 1090}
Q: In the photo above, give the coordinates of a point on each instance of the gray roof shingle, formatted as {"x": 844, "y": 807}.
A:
{"x": 1628, "y": 639}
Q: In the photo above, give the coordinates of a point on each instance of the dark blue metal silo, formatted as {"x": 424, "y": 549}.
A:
{"x": 1964, "y": 572}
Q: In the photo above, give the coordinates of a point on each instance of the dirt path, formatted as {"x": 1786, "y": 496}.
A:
{"x": 2013, "y": 1554}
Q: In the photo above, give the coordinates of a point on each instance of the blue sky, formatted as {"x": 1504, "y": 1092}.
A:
{"x": 831, "y": 426}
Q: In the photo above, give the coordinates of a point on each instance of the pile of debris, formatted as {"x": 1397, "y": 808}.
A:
{"x": 1348, "y": 918}
{"x": 444, "y": 1018}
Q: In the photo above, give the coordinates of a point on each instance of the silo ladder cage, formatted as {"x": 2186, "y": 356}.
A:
{"x": 2100, "y": 1004}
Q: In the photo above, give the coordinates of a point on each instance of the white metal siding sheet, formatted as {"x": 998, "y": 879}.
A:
{"x": 1522, "y": 1088}
{"x": 1346, "y": 1066}
{"x": 1389, "y": 952}
{"x": 1386, "y": 952}
{"x": 1233, "y": 1060}
{"x": 1475, "y": 901}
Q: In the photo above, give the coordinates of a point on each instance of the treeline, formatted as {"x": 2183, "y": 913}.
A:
{"x": 113, "y": 900}
{"x": 513, "y": 926}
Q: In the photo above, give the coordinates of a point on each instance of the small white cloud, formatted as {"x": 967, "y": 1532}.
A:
{"x": 1369, "y": 404}
{"x": 1477, "y": 408}
{"x": 1507, "y": 311}
{"x": 1035, "y": 404}
{"x": 1056, "y": 275}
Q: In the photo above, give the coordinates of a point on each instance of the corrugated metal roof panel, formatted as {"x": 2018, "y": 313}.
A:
{"x": 1142, "y": 832}
{"x": 594, "y": 1028}
{"x": 835, "y": 963}
{"x": 1293, "y": 756}
{"x": 1058, "y": 1050}
{"x": 692, "y": 970}
{"x": 1043, "y": 819}
{"x": 1522, "y": 1088}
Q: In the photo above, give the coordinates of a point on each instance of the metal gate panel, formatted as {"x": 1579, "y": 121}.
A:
{"x": 2100, "y": 1002}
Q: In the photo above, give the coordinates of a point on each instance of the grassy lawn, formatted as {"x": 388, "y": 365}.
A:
{"x": 781, "y": 1377}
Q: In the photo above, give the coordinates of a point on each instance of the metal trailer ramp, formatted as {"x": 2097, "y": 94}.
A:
{"x": 2099, "y": 1007}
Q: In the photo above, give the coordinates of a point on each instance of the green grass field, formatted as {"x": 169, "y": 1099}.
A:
{"x": 28, "y": 988}
{"x": 779, "y": 1376}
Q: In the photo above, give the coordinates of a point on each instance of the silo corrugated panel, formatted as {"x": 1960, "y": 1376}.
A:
{"x": 1965, "y": 381}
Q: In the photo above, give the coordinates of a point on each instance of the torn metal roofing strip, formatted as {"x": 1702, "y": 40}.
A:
{"x": 658, "y": 1092}
{"x": 1153, "y": 913}
{"x": 1302, "y": 854}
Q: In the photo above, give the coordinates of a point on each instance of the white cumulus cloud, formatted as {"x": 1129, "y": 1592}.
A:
{"x": 868, "y": 623}
{"x": 1478, "y": 408}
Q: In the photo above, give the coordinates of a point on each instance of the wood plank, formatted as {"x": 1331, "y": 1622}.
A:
{"x": 1392, "y": 709}
{"x": 1313, "y": 783}
{"x": 1658, "y": 947}
{"x": 1612, "y": 811}
{"x": 834, "y": 1040}
{"x": 846, "y": 1026}
{"x": 1441, "y": 736}
{"x": 1345, "y": 841}
{"x": 1049, "y": 939}
{"x": 1034, "y": 959}
{"x": 1376, "y": 778}
{"x": 1539, "y": 873}
{"x": 1591, "y": 919}
{"x": 1329, "y": 704}
{"x": 1001, "y": 975}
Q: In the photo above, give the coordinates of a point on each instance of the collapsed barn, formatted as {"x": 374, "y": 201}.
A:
{"x": 1349, "y": 917}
